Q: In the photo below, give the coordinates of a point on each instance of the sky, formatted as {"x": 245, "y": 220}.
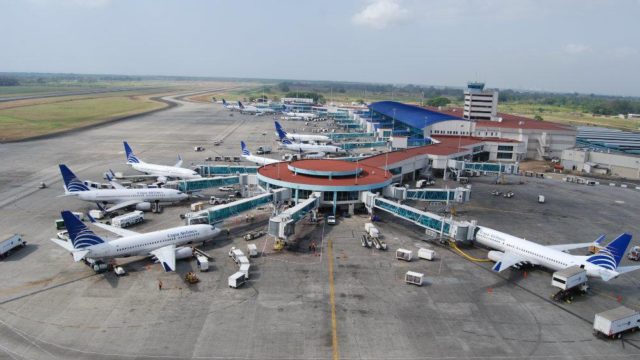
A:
{"x": 586, "y": 46}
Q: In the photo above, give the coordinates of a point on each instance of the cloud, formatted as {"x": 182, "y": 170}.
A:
{"x": 380, "y": 14}
{"x": 625, "y": 51}
{"x": 77, "y": 3}
{"x": 575, "y": 49}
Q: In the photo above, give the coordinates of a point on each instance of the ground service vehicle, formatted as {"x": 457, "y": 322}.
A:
{"x": 10, "y": 242}
{"x": 613, "y": 323}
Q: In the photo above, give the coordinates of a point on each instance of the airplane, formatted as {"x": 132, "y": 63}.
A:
{"x": 163, "y": 172}
{"x": 254, "y": 110}
{"x": 163, "y": 244}
{"x": 301, "y": 137}
{"x": 120, "y": 196}
{"x": 259, "y": 160}
{"x": 513, "y": 251}
{"x": 229, "y": 106}
{"x": 287, "y": 144}
{"x": 300, "y": 115}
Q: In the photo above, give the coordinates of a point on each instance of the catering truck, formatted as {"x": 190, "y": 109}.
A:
{"x": 8, "y": 243}
{"x": 613, "y": 323}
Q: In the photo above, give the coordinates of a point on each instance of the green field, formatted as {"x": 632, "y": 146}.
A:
{"x": 569, "y": 115}
{"x": 27, "y": 121}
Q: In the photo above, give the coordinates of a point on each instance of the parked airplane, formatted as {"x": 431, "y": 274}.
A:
{"x": 300, "y": 115}
{"x": 163, "y": 244}
{"x": 120, "y": 196}
{"x": 229, "y": 106}
{"x": 513, "y": 251}
{"x": 259, "y": 160}
{"x": 287, "y": 144}
{"x": 163, "y": 172}
{"x": 301, "y": 137}
{"x": 254, "y": 110}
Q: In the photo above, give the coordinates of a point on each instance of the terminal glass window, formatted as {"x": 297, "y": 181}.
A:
{"x": 505, "y": 148}
{"x": 504, "y": 155}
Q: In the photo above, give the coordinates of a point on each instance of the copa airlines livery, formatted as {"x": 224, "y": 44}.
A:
{"x": 301, "y": 137}
{"x": 512, "y": 251}
{"x": 120, "y": 196}
{"x": 259, "y": 160}
{"x": 164, "y": 245}
{"x": 299, "y": 147}
{"x": 254, "y": 110}
{"x": 162, "y": 172}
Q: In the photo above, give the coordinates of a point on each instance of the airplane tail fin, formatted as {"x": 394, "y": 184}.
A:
{"x": 279, "y": 128}
{"x": 282, "y": 136}
{"x": 245, "y": 151}
{"x": 79, "y": 234}
{"x": 71, "y": 182}
{"x": 224, "y": 102}
{"x": 131, "y": 157}
{"x": 240, "y": 105}
{"x": 179, "y": 163}
{"x": 610, "y": 256}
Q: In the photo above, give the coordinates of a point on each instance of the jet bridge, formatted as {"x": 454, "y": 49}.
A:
{"x": 213, "y": 170}
{"x": 434, "y": 224}
{"x": 364, "y": 144}
{"x": 283, "y": 224}
{"x": 218, "y": 213}
{"x": 459, "y": 194}
{"x": 494, "y": 168}
{"x": 204, "y": 183}
{"x": 352, "y": 135}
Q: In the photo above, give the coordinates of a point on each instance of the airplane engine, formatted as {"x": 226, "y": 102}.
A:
{"x": 143, "y": 206}
{"x": 183, "y": 253}
{"x": 495, "y": 255}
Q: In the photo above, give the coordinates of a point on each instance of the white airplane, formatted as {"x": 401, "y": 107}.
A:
{"x": 259, "y": 160}
{"x": 513, "y": 251}
{"x": 300, "y": 115}
{"x": 301, "y": 137}
{"x": 120, "y": 196}
{"x": 299, "y": 147}
{"x": 254, "y": 110}
{"x": 229, "y": 106}
{"x": 163, "y": 244}
{"x": 163, "y": 172}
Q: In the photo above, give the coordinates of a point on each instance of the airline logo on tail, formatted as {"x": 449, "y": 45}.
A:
{"x": 280, "y": 129}
{"x": 282, "y": 137}
{"x": 71, "y": 182}
{"x": 79, "y": 234}
{"x": 610, "y": 256}
{"x": 240, "y": 105}
{"x": 245, "y": 151}
{"x": 224, "y": 102}
{"x": 131, "y": 157}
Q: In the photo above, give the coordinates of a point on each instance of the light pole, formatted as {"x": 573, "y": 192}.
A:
{"x": 393, "y": 122}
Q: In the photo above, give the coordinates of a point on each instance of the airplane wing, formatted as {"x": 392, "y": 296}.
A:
{"x": 113, "y": 229}
{"x": 565, "y": 247}
{"x": 626, "y": 269}
{"x": 167, "y": 257}
{"x": 122, "y": 205}
{"x": 179, "y": 163}
{"x": 116, "y": 185}
{"x": 506, "y": 261}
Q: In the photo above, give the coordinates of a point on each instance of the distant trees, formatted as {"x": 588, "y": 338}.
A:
{"x": 8, "y": 81}
{"x": 538, "y": 117}
{"x": 284, "y": 87}
{"x": 438, "y": 101}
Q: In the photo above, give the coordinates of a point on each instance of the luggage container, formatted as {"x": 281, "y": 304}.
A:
{"x": 119, "y": 271}
{"x": 197, "y": 206}
{"x": 202, "y": 262}
{"x": 235, "y": 254}
{"x": 236, "y": 280}
{"x": 10, "y": 242}
{"x": 374, "y": 232}
{"x": 129, "y": 219}
{"x": 404, "y": 254}
{"x": 244, "y": 268}
{"x": 541, "y": 199}
{"x": 426, "y": 254}
{"x": 412, "y": 277}
{"x": 613, "y": 323}
{"x": 252, "y": 250}
{"x": 96, "y": 214}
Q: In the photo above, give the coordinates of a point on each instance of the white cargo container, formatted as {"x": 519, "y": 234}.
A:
{"x": 236, "y": 280}
{"x": 9, "y": 243}
{"x": 197, "y": 206}
{"x": 569, "y": 278}
{"x": 252, "y": 250}
{"x": 412, "y": 277}
{"x": 541, "y": 199}
{"x": 96, "y": 214}
{"x": 242, "y": 260}
{"x": 404, "y": 254}
{"x": 614, "y": 322}
{"x": 235, "y": 253}
{"x": 202, "y": 262}
{"x": 368, "y": 226}
{"x": 244, "y": 268}
{"x": 426, "y": 254}
{"x": 126, "y": 220}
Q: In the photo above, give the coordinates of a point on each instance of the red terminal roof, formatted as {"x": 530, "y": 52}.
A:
{"x": 368, "y": 175}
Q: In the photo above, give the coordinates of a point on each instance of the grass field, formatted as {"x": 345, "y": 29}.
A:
{"x": 39, "y": 119}
{"x": 568, "y": 115}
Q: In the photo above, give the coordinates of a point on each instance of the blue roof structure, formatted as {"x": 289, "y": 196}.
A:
{"x": 411, "y": 115}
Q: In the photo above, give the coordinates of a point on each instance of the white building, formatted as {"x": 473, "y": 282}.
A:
{"x": 480, "y": 104}
{"x": 596, "y": 162}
